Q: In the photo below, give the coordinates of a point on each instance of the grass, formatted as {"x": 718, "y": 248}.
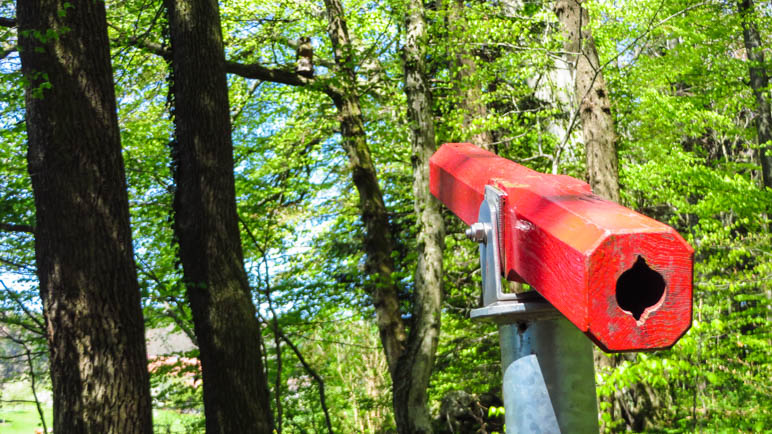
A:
{"x": 23, "y": 418}
{"x": 170, "y": 421}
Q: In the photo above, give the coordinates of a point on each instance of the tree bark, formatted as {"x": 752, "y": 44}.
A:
{"x": 760, "y": 85}
{"x": 416, "y": 364}
{"x": 410, "y": 363}
{"x": 598, "y": 131}
{"x": 592, "y": 96}
{"x": 378, "y": 242}
{"x": 236, "y": 395}
{"x": 468, "y": 91}
{"x": 83, "y": 246}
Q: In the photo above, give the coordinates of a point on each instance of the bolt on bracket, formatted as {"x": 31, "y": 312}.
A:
{"x": 498, "y": 305}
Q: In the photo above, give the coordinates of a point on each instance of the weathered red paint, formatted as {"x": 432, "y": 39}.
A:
{"x": 573, "y": 246}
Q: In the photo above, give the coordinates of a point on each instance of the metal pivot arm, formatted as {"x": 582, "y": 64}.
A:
{"x": 496, "y": 304}
{"x": 487, "y": 232}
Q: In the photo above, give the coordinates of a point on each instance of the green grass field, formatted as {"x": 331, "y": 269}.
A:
{"x": 23, "y": 418}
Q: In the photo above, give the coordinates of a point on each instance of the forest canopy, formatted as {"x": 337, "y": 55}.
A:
{"x": 258, "y": 174}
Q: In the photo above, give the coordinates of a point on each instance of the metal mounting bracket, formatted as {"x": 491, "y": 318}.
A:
{"x": 498, "y": 305}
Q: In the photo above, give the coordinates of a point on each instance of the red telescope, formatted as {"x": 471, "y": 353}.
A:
{"x": 623, "y": 279}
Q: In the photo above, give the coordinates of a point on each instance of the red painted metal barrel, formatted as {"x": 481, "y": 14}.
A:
{"x": 622, "y": 278}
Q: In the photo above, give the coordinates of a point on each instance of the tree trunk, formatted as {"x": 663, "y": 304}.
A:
{"x": 410, "y": 361}
{"x": 598, "y": 132}
{"x": 760, "y": 85}
{"x": 416, "y": 364}
{"x": 378, "y": 241}
{"x": 236, "y": 395}
{"x": 592, "y": 96}
{"x": 83, "y": 246}
{"x": 468, "y": 90}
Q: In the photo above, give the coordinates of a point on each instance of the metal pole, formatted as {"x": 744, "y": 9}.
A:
{"x": 547, "y": 366}
{"x": 549, "y": 379}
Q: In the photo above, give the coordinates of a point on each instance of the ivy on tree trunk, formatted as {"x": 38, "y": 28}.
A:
{"x": 416, "y": 364}
{"x": 236, "y": 395}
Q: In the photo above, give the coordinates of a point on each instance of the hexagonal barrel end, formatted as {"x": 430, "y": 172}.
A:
{"x": 622, "y": 278}
{"x": 639, "y": 290}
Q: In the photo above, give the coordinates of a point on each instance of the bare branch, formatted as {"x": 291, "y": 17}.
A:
{"x": 260, "y": 72}
{"x": 241, "y": 108}
{"x": 33, "y": 388}
{"x": 140, "y": 42}
{"x": 19, "y": 356}
{"x": 179, "y": 321}
{"x": 30, "y": 315}
{"x": 17, "y": 265}
{"x": 274, "y": 325}
{"x": 169, "y": 310}
{"x": 9, "y": 227}
{"x": 311, "y": 371}
{"x": 255, "y": 71}
{"x": 7, "y": 22}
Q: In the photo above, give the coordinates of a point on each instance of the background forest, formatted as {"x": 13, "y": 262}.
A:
{"x": 360, "y": 284}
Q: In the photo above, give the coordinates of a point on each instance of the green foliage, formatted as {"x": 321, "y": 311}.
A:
{"x": 175, "y": 382}
{"x": 684, "y": 115}
{"x": 496, "y": 411}
{"x": 346, "y": 353}
{"x": 683, "y": 108}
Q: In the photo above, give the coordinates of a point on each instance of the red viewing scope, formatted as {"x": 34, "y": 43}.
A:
{"x": 622, "y": 278}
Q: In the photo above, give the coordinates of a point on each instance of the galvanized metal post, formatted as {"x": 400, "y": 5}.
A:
{"x": 547, "y": 365}
{"x": 549, "y": 381}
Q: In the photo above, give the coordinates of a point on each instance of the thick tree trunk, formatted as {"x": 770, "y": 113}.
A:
{"x": 235, "y": 388}
{"x": 416, "y": 364}
{"x": 598, "y": 131}
{"x": 410, "y": 359}
{"x": 378, "y": 241}
{"x": 83, "y": 244}
{"x": 468, "y": 92}
{"x": 410, "y": 363}
{"x": 760, "y": 85}
{"x": 555, "y": 86}
{"x": 592, "y": 96}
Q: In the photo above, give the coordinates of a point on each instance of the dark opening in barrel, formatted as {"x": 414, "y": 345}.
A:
{"x": 639, "y": 288}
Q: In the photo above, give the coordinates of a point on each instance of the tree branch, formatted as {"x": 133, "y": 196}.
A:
{"x": 7, "y": 22}
{"x": 17, "y": 265}
{"x": 30, "y": 315}
{"x": 260, "y": 72}
{"x": 247, "y": 70}
{"x": 274, "y": 325}
{"x": 33, "y": 388}
{"x": 169, "y": 310}
{"x": 20, "y": 355}
{"x": 179, "y": 321}
{"x": 141, "y": 42}
{"x": 9, "y": 227}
